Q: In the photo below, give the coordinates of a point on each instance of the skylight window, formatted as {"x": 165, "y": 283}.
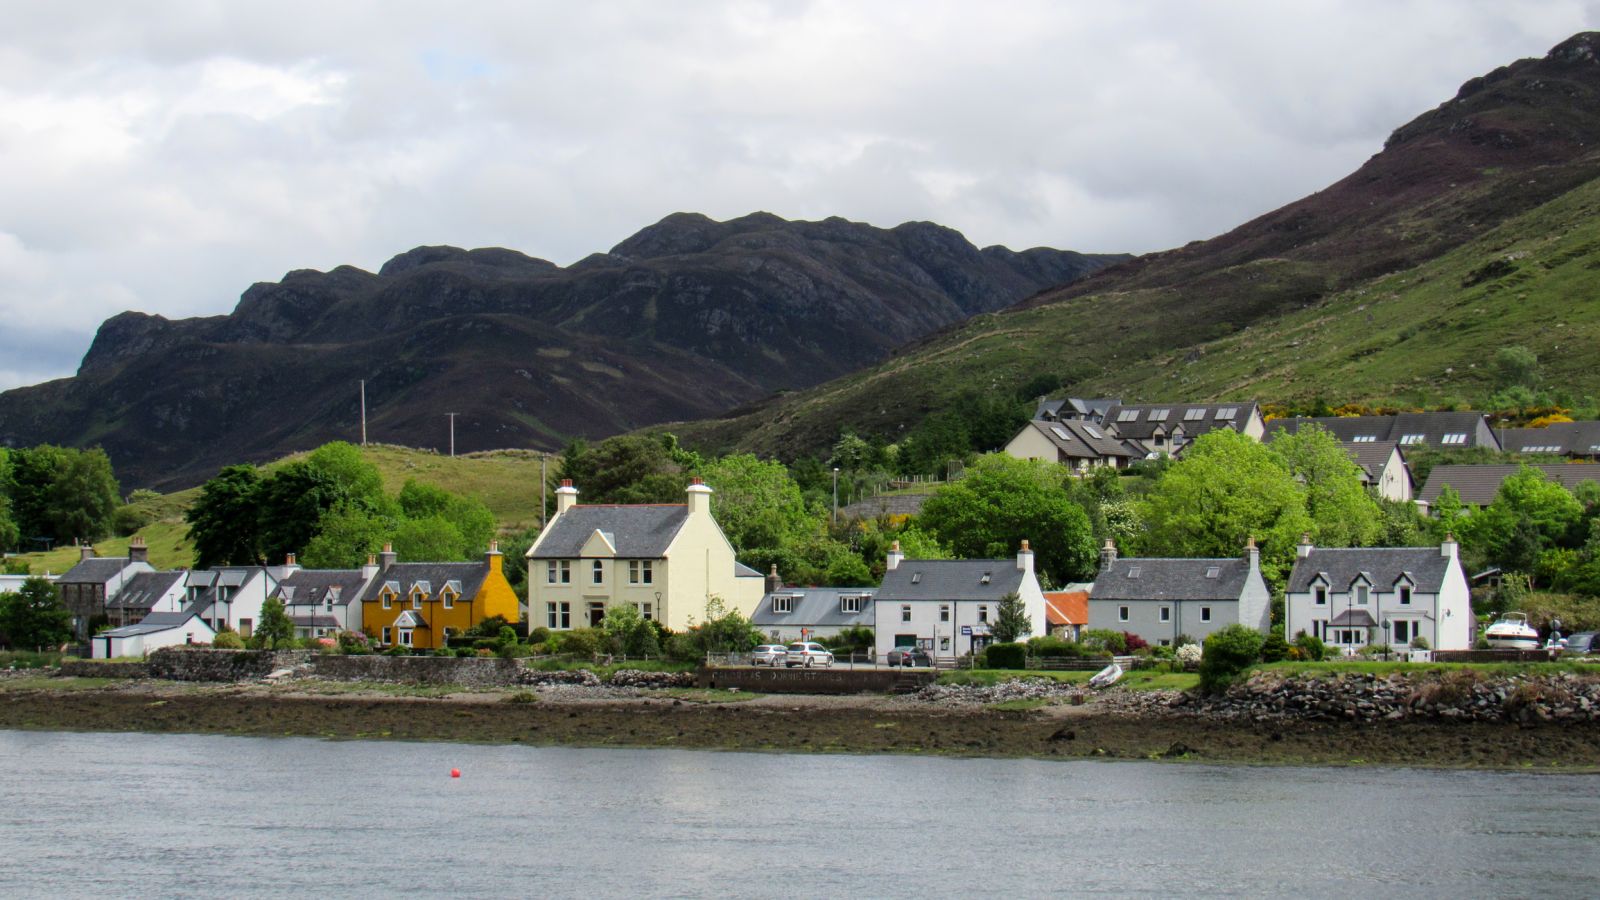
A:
{"x": 1227, "y": 412}
{"x": 1128, "y": 415}
{"x": 1093, "y": 432}
{"x": 1364, "y": 439}
{"x": 1159, "y": 415}
{"x": 1194, "y": 415}
{"x": 987, "y": 577}
{"x": 1061, "y": 432}
{"x": 916, "y": 577}
{"x": 1133, "y": 571}
{"x": 1214, "y": 572}
{"x": 1455, "y": 438}
{"x": 1413, "y": 438}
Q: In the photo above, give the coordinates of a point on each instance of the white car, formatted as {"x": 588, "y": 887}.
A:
{"x": 769, "y": 655}
{"x": 808, "y": 654}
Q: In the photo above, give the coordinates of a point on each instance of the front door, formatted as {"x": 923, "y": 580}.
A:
{"x": 597, "y": 613}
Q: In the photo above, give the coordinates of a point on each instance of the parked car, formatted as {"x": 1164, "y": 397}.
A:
{"x": 768, "y": 655}
{"x": 808, "y": 654}
{"x": 1584, "y": 643}
{"x": 909, "y": 656}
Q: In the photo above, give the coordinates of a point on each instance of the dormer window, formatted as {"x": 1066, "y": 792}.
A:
{"x": 1361, "y": 595}
{"x": 597, "y": 572}
{"x": 783, "y": 603}
{"x": 1321, "y": 595}
{"x": 851, "y": 603}
{"x": 387, "y": 595}
{"x": 1405, "y": 595}
{"x": 448, "y": 597}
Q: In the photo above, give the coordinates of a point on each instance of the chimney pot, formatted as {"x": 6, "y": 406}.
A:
{"x": 566, "y": 482}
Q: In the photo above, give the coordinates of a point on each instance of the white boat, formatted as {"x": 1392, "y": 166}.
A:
{"x": 1512, "y": 632}
{"x": 1106, "y": 677}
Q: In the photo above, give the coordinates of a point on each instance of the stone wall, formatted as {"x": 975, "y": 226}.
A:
{"x": 188, "y": 664}
{"x": 816, "y": 681}
{"x": 1453, "y": 695}
{"x": 79, "y": 668}
{"x": 473, "y": 671}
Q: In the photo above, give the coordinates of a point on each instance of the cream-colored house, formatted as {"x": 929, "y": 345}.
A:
{"x": 667, "y": 560}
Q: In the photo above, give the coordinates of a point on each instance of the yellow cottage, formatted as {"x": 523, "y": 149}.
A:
{"x": 421, "y": 604}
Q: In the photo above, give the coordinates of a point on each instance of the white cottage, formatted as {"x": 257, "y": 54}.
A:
{"x": 159, "y": 629}
{"x": 946, "y": 606}
{"x": 1355, "y": 597}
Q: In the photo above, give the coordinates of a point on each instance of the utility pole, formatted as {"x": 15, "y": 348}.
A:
{"x": 363, "y": 412}
{"x": 452, "y": 433}
{"x": 836, "y": 495}
{"x": 544, "y": 485}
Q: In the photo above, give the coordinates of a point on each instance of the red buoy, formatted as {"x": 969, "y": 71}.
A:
{"x": 455, "y": 773}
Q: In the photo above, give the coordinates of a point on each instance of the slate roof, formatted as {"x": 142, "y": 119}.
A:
{"x": 316, "y": 621}
{"x": 95, "y": 570}
{"x": 885, "y": 505}
{"x": 1382, "y": 566}
{"x": 1427, "y": 428}
{"x": 469, "y": 575}
{"x": 815, "y": 606}
{"x": 1138, "y": 422}
{"x": 144, "y": 590}
{"x": 214, "y": 581}
{"x": 1066, "y": 607}
{"x": 950, "y": 579}
{"x": 1478, "y": 484}
{"x": 151, "y": 624}
{"x": 1135, "y": 578}
{"x": 1074, "y": 407}
{"x": 638, "y": 532}
{"x": 310, "y": 587}
{"x": 1082, "y": 440}
{"x": 1565, "y": 438}
{"x": 740, "y": 570}
{"x": 1353, "y": 618}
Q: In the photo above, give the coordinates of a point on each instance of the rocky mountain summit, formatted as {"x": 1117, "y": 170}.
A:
{"x": 688, "y": 318}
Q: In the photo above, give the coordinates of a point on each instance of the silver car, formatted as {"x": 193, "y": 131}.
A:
{"x": 769, "y": 655}
{"x": 808, "y": 654}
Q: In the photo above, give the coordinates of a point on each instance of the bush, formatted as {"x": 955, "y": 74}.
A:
{"x": 464, "y": 652}
{"x": 1187, "y": 654}
{"x": 1105, "y": 639}
{"x": 1054, "y": 648}
{"x": 581, "y": 642}
{"x": 354, "y": 643}
{"x": 1482, "y": 644}
{"x": 1227, "y": 653}
{"x": 129, "y": 519}
{"x": 1006, "y": 656}
{"x": 1311, "y": 647}
{"x": 1420, "y": 643}
{"x": 1275, "y": 648}
{"x": 397, "y": 650}
{"x": 1160, "y": 652}
{"x": 227, "y": 640}
{"x": 1132, "y": 642}
{"x": 1376, "y": 650}
{"x": 1183, "y": 640}
{"x": 539, "y": 635}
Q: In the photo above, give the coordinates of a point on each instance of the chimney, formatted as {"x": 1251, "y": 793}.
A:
{"x": 371, "y": 568}
{"x": 1448, "y": 547}
{"x": 493, "y": 554}
{"x": 1252, "y": 554}
{"x": 699, "y": 498}
{"x": 85, "y": 551}
{"x": 895, "y": 557}
{"x": 774, "y": 583}
{"x": 1108, "y": 555}
{"x": 387, "y": 558}
{"x": 138, "y": 551}
{"x": 289, "y": 561}
{"x": 1303, "y": 550}
{"x": 1025, "y": 558}
{"x": 566, "y": 496}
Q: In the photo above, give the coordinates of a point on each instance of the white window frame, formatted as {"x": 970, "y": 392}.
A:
{"x": 983, "y": 614}
{"x": 405, "y": 637}
{"x": 388, "y": 599}
{"x": 448, "y": 598}
{"x": 388, "y": 635}
{"x": 647, "y": 612}
{"x": 1123, "y": 613}
{"x": 1363, "y": 595}
{"x": 944, "y": 612}
{"x": 550, "y": 572}
{"x": 905, "y": 612}
{"x": 1404, "y": 591}
{"x": 783, "y": 603}
{"x": 1166, "y": 614}
{"x": 597, "y": 572}
{"x": 1205, "y": 613}
{"x": 564, "y": 566}
{"x": 851, "y": 603}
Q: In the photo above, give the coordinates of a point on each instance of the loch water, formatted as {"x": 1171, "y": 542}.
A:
{"x": 120, "y": 815}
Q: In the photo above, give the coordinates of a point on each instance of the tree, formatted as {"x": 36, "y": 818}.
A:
{"x": 346, "y": 536}
{"x": 1515, "y": 367}
{"x": 290, "y": 504}
{"x": 354, "y": 479}
{"x": 471, "y": 519}
{"x": 435, "y": 539}
{"x": 629, "y": 468}
{"x": 1227, "y": 653}
{"x": 1343, "y": 513}
{"x": 1002, "y": 502}
{"x": 756, "y": 503}
{"x": 1529, "y": 514}
{"x": 276, "y": 629}
{"x": 1011, "y": 621}
{"x": 1227, "y": 489}
{"x": 628, "y": 632}
{"x": 61, "y": 493}
{"x": 34, "y": 617}
{"x": 224, "y": 523}
{"x": 935, "y": 441}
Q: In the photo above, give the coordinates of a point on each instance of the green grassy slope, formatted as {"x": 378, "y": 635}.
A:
{"x": 507, "y": 481}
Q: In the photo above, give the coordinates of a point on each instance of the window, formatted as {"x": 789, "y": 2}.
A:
{"x": 944, "y": 612}
{"x": 1227, "y": 412}
{"x": 1455, "y": 439}
{"x": 328, "y": 605}
{"x": 916, "y": 577}
{"x": 416, "y": 599}
{"x": 1205, "y": 613}
{"x": 640, "y": 571}
{"x": 987, "y": 577}
{"x": 1133, "y": 571}
{"x": 1321, "y": 594}
{"x": 449, "y": 598}
{"x": 1166, "y": 614}
{"x": 1404, "y": 631}
{"x": 1361, "y": 595}
{"x": 1159, "y": 415}
{"x": 597, "y": 572}
{"x": 1405, "y": 595}
{"x": 905, "y": 613}
{"x": 1093, "y": 432}
{"x": 944, "y": 644}
{"x": 850, "y": 604}
{"x": 783, "y": 603}
{"x": 388, "y": 602}
{"x": 550, "y": 572}
{"x": 1364, "y": 439}
{"x": 1061, "y": 432}
{"x": 1213, "y": 571}
{"x": 565, "y": 568}
{"x": 388, "y": 635}
{"x": 649, "y": 612}
{"x": 1412, "y": 438}
{"x": 561, "y": 615}
{"x": 983, "y": 614}
{"x": 1128, "y": 415}
{"x": 1194, "y": 415}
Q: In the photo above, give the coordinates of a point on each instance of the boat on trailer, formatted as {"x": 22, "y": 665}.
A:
{"x": 1512, "y": 632}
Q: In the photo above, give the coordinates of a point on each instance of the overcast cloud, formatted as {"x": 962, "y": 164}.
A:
{"x": 164, "y": 156}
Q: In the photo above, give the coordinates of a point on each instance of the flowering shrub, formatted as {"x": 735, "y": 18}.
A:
{"x": 354, "y": 643}
{"x": 1189, "y": 654}
{"x": 1132, "y": 642}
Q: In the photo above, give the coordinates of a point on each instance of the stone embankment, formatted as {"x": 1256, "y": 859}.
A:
{"x": 177, "y": 664}
{"x": 1461, "y": 695}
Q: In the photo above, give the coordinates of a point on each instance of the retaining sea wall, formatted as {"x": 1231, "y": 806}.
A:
{"x": 186, "y": 664}
{"x": 816, "y": 681}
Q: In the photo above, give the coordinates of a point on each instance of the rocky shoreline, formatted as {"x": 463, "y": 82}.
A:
{"x": 1539, "y": 722}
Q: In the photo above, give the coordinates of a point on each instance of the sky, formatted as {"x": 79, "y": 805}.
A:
{"x": 163, "y": 156}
